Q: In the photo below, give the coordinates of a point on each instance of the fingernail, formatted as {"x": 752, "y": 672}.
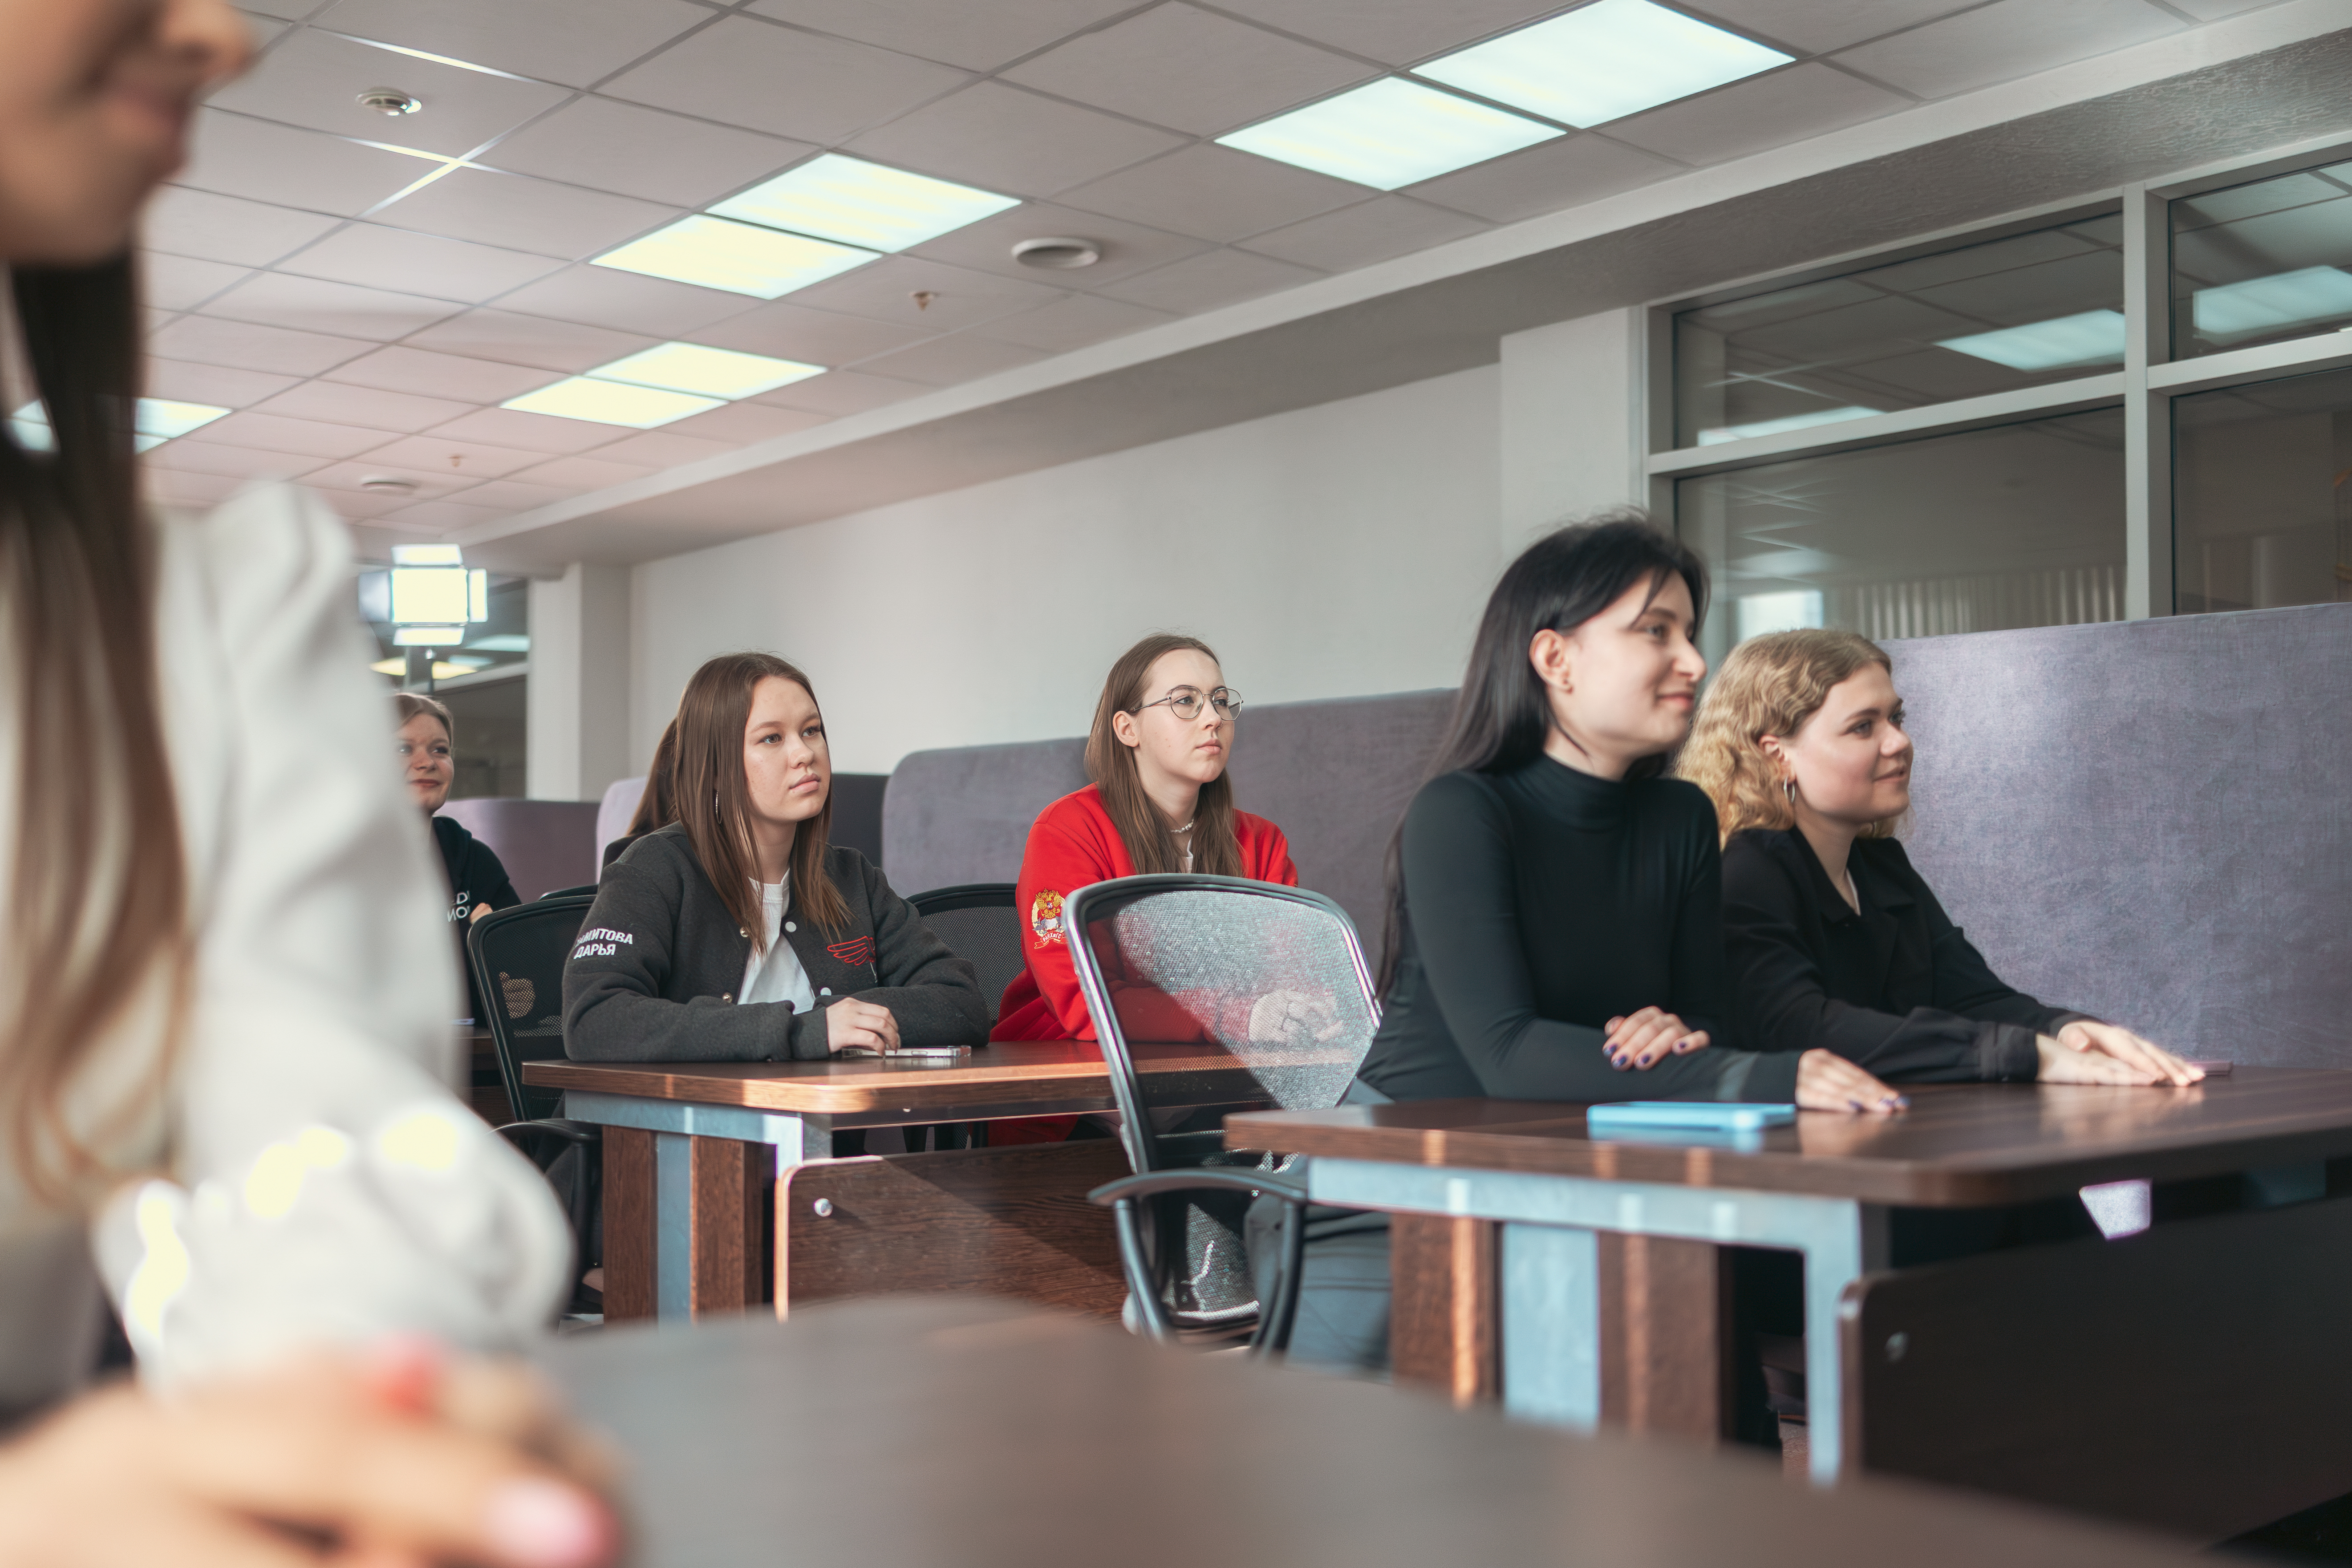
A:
{"x": 543, "y": 1525}
{"x": 1618, "y": 1061}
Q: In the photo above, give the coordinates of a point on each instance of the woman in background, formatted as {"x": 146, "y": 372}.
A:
{"x": 657, "y": 806}
{"x": 477, "y": 882}
{"x": 225, "y": 1045}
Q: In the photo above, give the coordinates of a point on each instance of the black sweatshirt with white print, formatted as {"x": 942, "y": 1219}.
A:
{"x": 654, "y": 974}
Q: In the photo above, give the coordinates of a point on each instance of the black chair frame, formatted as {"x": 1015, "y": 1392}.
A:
{"x": 939, "y": 901}
{"x": 542, "y": 1139}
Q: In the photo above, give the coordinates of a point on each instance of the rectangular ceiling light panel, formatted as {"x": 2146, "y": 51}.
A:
{"x": 1388, "y": 133}
{"x": 610, "y": 402}
{"x": 2095, "y": 337}
{"x": 2261, "y": 305}
{"x": 706, "y": 371}
{"x": 857, "y": 203}
{"x": 1782, "y": 424}
{"x": 1604, "y": 61}
{"x": 158, "y": 420}
{"x": 740, "y": 258}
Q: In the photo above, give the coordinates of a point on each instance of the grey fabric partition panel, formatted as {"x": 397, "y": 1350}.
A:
{"x": 2149, "y": 820}
{"x": 964, "y": 814}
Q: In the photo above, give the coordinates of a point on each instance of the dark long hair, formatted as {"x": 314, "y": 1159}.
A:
{"x": 657, "y": 807}
{"x": 714, "y": 798}
{"x": 1112, "y": 765}
{"x": 99, "y": 889}
{"x": 1502, "y": 715}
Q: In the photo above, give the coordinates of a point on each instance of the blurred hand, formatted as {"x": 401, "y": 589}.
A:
{"x": 854, "y": 1026}
{"x": 405, "y": 1461}
{"x": 479, "y": 910}
{"x": 2093, "y": 1038}
{"x": 1827, "y": 1081}
{"x": 1648, "y": 1037}
{"x": 1293, "y": 1018}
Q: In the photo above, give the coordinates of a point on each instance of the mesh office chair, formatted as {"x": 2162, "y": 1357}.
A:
{"x": 979, "y": 922}
{"x": 1275, "y": 975}
{"x": 518, "y": 958}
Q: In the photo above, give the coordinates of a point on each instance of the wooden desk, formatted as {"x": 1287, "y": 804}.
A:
{"x": 1822, "y": 1187}
{"x": 691, "y": 1147}
{"x": 939, "y": 1429}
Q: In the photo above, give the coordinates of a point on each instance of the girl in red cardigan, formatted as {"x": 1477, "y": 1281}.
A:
{"x": 1162, "y": 736}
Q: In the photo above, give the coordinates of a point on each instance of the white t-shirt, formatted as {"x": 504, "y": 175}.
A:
{"x": 776, "y": 975}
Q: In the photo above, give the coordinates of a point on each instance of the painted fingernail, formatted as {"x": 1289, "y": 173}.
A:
{"x": 541, "y": 1524}
{"x": 1617, "y": 1060}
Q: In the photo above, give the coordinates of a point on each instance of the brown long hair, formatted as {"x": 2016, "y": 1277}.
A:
{"x": 657, "y": 807}
{"x": 1770, "y": 686}
{"x": 1112, "y": 765}
{"x": 714, "y": 798}
{"x": 99, "y": 889}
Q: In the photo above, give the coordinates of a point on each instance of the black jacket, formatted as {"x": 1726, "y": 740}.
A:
{"x": 475, "y": 878}
{"x": 654, "y": 974}
{"x": 1896, "y": 989}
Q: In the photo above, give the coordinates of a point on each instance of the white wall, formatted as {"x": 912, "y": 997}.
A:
{"x": 577, "y": 720}
{"x": 1336, "y": 551}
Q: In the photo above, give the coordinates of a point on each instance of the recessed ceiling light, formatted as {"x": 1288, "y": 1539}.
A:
{"x": 389, "y": 100}
{"x": 858, "y": 203}
{"x": 709, "y": 372}
{"x": 1057, "y": 251}
{"x": 2095, "y": 337}
{"x": 610, "y": 402}
{"x": 426, "y": 555}
{"x": 740, "y": 257}
{"x": 1603, "y": 61}
{"x": 1390, "y": 132}
{"x": 157, "y": 420}
{"x": 2267, "y": 304}
{"x": 1789, "y": 422}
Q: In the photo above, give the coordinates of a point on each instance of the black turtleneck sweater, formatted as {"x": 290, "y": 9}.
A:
{"x": 1541, "y": 903}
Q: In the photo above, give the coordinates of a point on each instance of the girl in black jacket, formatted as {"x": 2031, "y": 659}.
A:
{"x": 737, "y": 933}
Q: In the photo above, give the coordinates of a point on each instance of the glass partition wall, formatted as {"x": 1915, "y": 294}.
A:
{"x": 1999, "y": 429}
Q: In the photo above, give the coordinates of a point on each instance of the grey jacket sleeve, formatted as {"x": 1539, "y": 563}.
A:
{"x": 934, "y": 995}
{"x": 613, "y": 1010}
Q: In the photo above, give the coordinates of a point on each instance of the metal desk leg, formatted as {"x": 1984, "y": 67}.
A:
{"x": 1551, "y": 1325}
{"x": 1843, "y": 1240}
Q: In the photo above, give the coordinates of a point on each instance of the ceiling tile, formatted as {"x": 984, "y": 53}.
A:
{"x": 247, "y": 346}
{"x": 946, "y": 361}
{"x": 1002, "y": 139}
{"x": 1126, "y": 247}
{"x": 664, "y": 449}
{"x": 630, "y": 302}
{"x": 582, "y": 473}
{"x": 273, "y": 433}
{"x": 217, "y": 385}
{"x": 1817, "y": 26}
{"x": 263, "y": 28}
{"x": 780, "y": 80}
{"x": 1073, "y": 323}
{"x": 1546, "y": 178}
{"x": 812, "y": 337}
{"x": 530, "y": 339}
{"x": 168, "y": 487}
{"x": 182, "y": 283}
{"x": 317, "y": 305}
{"x": 645, "y": 152}
{"x": 242, "y": 462}
{"x": 524, "y": 213}
{"x": 841, "y": 392}
{"x": 314, "y": 79}
{"x": 885, "y": 291}
{"x": 575, "y": 42}
{"x": 978, "y": 37}
{"x": 437, "y": 453}
{"x": 441, "y": 376}
{"x": 367, "y": 407}
{"x": 417, "y": 263}
{"x": 349, "y": 504}
{"x": 1762, "y": 111}
{"x": 510, "y": 495}
{"x": 2214, "y": 10}
{"x": 1215, "y": 192}
{"x": 1366, "y": 233}
{"x": 531, "y": 432}
{"x": 2010, "y": 38}
{"x": 252, "y": 158}
{"x": 743, "y": 422}
{"x": 1179, "y": 65}
{"x": 431, "y": 483}
{"x": 1397, "y": 31}
{"x": 445, "y": 517}
{"x": 227, "y": 228}
{"x": 1206, "y": 281}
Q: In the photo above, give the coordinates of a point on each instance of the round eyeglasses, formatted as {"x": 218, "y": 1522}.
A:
{"x": 1186, "y": 704}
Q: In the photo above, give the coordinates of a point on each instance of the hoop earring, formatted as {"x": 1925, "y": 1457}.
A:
{"x": 1788, "y": 788}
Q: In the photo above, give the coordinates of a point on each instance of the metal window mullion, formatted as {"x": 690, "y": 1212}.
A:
{"x": 2148, "y": 416}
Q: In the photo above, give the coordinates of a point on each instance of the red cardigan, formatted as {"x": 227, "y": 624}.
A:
{"x": 1073, "y": 843}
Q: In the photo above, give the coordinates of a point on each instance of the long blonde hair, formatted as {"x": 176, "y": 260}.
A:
{"x": 1770, "y": 686}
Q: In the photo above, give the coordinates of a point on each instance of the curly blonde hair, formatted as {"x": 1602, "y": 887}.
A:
{"x": 1770, "y": 686}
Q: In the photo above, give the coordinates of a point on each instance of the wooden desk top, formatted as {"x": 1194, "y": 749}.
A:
{"x": 945, "y": 1429}
{"x": 1959, "y": 1144}
{"x": 1008, "y": 1073}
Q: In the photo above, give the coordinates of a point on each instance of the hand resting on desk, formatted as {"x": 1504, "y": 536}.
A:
{"x": 2086, "y": 1051}
{"x": 852, "y": 1024}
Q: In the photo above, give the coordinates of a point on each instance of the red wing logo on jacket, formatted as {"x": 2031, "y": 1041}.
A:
{"x": 1045, "y": 918}
{"x": 856, "y": 953}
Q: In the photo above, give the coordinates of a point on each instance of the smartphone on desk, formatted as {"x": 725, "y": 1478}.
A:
{"x": 1694, "y": 1115}
{"x": 907, "y": 1053}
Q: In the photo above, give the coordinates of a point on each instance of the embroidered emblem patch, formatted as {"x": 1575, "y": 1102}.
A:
{"x": 1045, "y": 918}
{"x": 856, "y": 953}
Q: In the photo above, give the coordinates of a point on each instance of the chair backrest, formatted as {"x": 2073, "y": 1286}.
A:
{"x": 585, "y": 890}
{"x": 978, "y": 919}
{"x": 518, "y": 957}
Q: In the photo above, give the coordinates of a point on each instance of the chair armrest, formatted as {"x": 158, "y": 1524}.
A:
{"x": 1193, "y": 1178}
{"x": 581, "y": 1132}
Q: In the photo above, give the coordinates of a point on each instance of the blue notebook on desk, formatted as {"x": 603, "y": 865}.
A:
{"x": 1703, "y": 1115}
